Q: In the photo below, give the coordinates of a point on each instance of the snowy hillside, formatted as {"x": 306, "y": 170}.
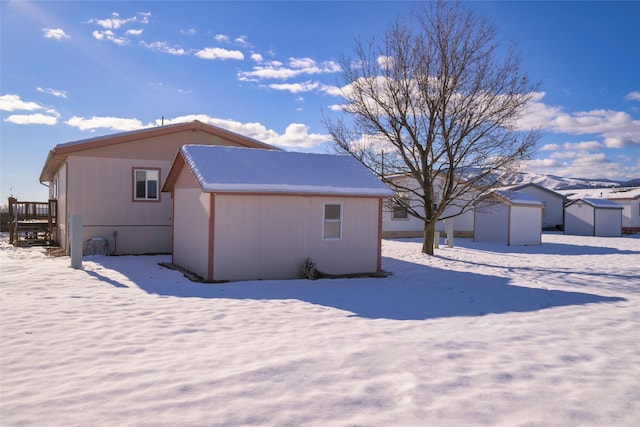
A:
{"x": 553, "y": 182}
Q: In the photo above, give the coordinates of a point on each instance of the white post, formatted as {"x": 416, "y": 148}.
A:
{"x": 76, "y": 240}
{"x": 448, "y": 228}
{"x": 436, "y": 240}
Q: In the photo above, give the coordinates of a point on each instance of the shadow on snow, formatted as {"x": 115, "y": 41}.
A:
{"x": 415, "y": 292}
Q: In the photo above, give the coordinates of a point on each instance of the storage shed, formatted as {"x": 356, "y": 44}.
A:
{"x": 249, "y": 214}
{"x": 593, "y": 217}
{"x": 553, "y": 202}
{"x": 509, "y": 217}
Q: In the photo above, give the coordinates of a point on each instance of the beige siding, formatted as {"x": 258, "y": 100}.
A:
{"x": 61, "y": 197}
{"x": 191, "y": 230}
{"x": 100, "y": 181}
{"x": 102, "y": 191}
{"x": 269, "y": 236}
{"x": 163, "y": 147}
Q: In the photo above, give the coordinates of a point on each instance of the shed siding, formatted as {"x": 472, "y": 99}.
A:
{"x": 270, "y": 236}
{"x": 579, "y": 219}
{"x": 491, "y": 223}
{"x": 526, "y": 225}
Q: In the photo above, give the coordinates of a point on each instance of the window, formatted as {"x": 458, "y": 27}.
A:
{"x": 332, "y": 221}
{"x": 400, "y": 205}
{"x": 146, "y": 185}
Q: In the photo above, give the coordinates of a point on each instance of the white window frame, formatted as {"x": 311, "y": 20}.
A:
{"x": 146, "y": 197}
{"x": 326, "y": 220}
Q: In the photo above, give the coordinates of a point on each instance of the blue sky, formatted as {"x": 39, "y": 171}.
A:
{"x": 73, "y": 70}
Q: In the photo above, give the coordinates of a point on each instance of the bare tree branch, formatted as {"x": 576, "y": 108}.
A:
{"x": 437, "y": 102}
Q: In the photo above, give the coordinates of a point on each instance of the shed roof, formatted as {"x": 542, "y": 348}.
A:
{"x": 598, "y": 203}
{"x": 60, "y": 151}
{"x": 251, "y": 170}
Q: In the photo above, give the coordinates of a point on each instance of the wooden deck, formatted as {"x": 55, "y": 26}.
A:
{"x": 32, "y": 222}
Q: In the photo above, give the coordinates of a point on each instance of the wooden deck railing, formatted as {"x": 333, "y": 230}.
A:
{"x": 32, "y": 222}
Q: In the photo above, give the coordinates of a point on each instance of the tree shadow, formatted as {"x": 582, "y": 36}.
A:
{"x": 415, "y": 292}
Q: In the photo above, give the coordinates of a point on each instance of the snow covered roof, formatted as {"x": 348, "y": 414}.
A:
{"x": 242, "y": 170}
{"x": 518, "y": 198}
{"x": 616, "y": 193}
{"x": 599, "y": 203}
{"x": 521, "y": 187}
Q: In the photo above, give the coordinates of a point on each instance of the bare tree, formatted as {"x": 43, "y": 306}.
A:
{"x": 438, "y": 100}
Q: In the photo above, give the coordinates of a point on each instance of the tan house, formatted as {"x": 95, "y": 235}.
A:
{"x": 241, "y": 214}
{"x": 113, "y": 182}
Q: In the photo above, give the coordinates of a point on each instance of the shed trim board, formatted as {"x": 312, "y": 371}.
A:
{"x": 212, "y": 235}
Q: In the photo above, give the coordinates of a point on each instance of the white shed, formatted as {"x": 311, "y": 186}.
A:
{"x": 593, "y": 217}
{"x": 508, "y": 217}
{"x": 250, "y": 214}
{"x": 553, "y": 211}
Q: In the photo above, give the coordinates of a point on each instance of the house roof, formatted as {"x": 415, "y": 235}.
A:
{"x": 245, "y": 170}
{"x": 521, "y": 187}
{"x": 598, "y": 203}
{"x": 517, "y": 198}
{"x": 58, "y": 154}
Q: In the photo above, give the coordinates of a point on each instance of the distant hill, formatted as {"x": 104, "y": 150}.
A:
{"x": 553, "y": 182}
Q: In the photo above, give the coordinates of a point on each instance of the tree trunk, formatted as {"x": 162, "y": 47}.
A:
{"x": 429, "y": 237}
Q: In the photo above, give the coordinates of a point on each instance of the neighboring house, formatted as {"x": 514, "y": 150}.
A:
{"x": 593, "y": 217}
{"x": 553, "y": 212}
{"x": 397, "y": 222}
{"x": 510, "y": 217}
{"x": 627, "y": 197}
{"x": 113, "y": 182}
{"x": 241, "y": 214}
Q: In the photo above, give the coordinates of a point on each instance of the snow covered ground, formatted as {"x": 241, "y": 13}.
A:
{"x": 481, "y": 334}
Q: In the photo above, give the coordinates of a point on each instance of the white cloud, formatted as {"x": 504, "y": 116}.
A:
{"x": 617, "y": 128}
{"x": 114, "y": 22}
{"x": 633, "y": 96}
{"x": 133, "y": 32}
{"x": 54, "y": 92}
{"x": 550, "y": 147}
{"x": 219, "y": 53}
{"x": 296, "y": 135}
{"x": 222, "y": 38}
{"x": 189, "y": 32}
{"x": 296, "y": 87}
{"x": 164, "y": 47}
{"x": 296, "y": 67}
{"x": 257, "y": 57}
{"x": 54, "y": 33}
{"x": 585, "y": 145}
{"x": 32, "y": 119}
{"x": 110, "y": 36}
{"x": 113, "y": 123}
{"x": 13, "y": 103}
{"x": 242, "y": 41}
